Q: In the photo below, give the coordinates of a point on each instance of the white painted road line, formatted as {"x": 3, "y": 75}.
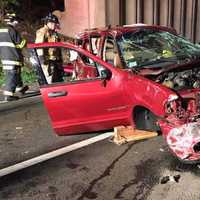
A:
{"x": 53, "y": 154}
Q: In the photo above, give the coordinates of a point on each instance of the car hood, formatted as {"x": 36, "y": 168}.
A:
{"x": 159, "y": 70}
{"x": 175, "y": 76}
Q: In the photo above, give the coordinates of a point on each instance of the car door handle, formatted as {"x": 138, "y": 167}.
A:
{"x": 57, "y": 94}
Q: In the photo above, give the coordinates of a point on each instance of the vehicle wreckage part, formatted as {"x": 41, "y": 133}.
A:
{"x": 124, "y": 134}
{"x": 182, "y": 79}
{"x": 166, "y": 179}
{"x": 183, "y": 140}
{"x": 171, "y": 106}
{"x": 53, "y": 154}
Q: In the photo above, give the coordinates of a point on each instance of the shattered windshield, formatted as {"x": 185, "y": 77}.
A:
{"x": 153, "y": 48}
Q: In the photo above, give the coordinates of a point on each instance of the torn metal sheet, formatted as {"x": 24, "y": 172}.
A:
{"x": 183, "y": 139}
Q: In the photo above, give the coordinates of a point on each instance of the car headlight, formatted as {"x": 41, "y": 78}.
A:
{"x": 171, "y": 104}
{"x": 172, "y": 97}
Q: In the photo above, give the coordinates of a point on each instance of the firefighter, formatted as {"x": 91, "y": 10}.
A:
{"x": 11, "y": 45}
{"x": 51, "y": 58}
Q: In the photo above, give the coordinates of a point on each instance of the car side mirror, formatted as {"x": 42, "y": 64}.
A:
{"x": 106, "y": 74}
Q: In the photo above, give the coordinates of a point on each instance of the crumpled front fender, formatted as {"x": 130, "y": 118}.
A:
{"x": 183, "y": 140}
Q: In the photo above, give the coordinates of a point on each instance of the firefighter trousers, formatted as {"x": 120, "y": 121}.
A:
{"x": 53, "y": 72}
{"x": 13, "y": 80}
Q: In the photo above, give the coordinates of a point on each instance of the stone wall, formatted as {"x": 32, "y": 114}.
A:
{"x": 82, "y": 14}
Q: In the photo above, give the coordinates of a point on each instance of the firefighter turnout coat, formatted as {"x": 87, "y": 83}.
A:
{"x": 11, "y": 44}
{"x": 50, "y": 58}
{"x": 45, "y": 35}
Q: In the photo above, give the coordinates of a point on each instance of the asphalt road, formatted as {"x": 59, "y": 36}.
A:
{"x": 101, "y": 171}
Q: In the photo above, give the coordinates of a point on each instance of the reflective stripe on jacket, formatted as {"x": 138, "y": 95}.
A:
{"x": 8, "y": 67}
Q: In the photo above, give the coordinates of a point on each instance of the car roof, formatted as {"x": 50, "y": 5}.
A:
{"x": 119, "y": 30}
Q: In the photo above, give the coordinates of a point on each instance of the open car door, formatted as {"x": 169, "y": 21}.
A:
{"x": 90, "y": 100}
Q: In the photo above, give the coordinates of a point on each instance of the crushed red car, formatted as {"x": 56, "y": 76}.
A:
{"x": 144, "y": 76}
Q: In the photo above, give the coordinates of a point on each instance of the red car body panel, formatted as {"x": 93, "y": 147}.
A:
{"x": 85, "y": 108}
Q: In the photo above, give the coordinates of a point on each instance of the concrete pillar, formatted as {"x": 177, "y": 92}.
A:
{"x": 148, "y": 12}
{"x": 131, "y": 11}
{"x": 97, "y": 10}
{"x": 82, "y": 14}
{"x": 164, "y": 11}
{"x": 112, "y": 12}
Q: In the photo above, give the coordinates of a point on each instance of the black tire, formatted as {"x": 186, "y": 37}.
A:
{"x": 145, "y": 120}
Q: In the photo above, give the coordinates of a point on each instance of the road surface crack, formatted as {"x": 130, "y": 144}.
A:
{"x": 107, "y": 172}
{"x": 146, "y": 177}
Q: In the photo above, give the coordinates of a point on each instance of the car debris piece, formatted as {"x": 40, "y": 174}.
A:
{"x": 19, "y": 128}
{"x": 162, "y": 150}
{"x": 166, "y": 179}
{"x": 184, "y": 141}
{"x": 177, "y": 177}
{"x": 124, "y": 134}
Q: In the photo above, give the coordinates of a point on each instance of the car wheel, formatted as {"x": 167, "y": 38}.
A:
{"x": 146, "y": 120}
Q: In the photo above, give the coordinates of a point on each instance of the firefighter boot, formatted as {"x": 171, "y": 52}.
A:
{"x": 22, "y": 90}
{"x": 10, "y": 98}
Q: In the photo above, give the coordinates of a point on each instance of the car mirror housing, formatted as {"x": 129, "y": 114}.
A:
{"x": 106, "y": 74}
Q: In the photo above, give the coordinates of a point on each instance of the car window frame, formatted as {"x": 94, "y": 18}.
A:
{"x": 104, "y": 46}
{"x": 71, "y": 81}
{"x": 96, "y": 35}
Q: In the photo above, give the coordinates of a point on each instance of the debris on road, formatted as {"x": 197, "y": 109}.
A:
{"x": 162, "y": 150}
{"x": 124, "y": 134}
{"x": 167, "y": 179}
{"x": 198, "y": 166}
{"x": 19, "y": 128}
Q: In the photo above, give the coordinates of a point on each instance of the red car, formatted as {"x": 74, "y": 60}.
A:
{"x": 144, "y": 76}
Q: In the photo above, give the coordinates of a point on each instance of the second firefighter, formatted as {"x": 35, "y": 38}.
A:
{"x": 50, "y": 58}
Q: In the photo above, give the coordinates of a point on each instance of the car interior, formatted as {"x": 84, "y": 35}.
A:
{"x": 110, "y": 53}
